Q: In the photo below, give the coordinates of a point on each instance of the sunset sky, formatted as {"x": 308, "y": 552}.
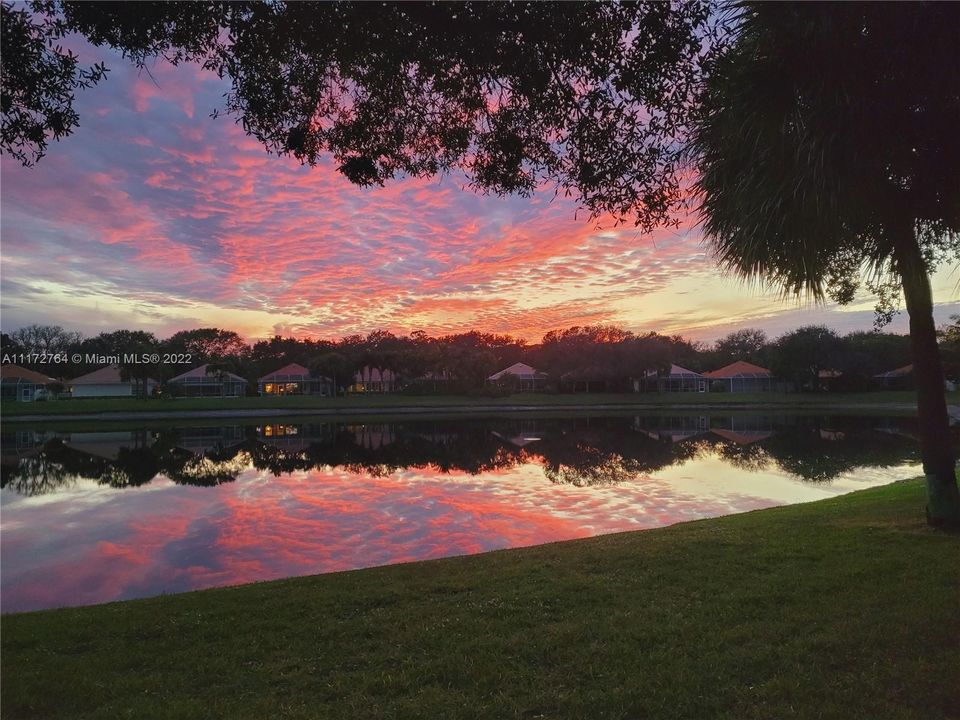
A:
{"x": 154, "y": 216}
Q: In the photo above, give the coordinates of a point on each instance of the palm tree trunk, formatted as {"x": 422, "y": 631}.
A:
{"x": 939, "y": 459}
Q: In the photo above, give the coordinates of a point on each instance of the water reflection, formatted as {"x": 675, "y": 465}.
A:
{"x": 96, "y": 516}
{"x": 577, "y": 451}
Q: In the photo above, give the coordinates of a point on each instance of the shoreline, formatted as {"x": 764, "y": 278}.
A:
{"x": 273, "y": 412}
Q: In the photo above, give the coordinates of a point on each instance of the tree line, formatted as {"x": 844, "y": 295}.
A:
{"x": 579, "y": 358}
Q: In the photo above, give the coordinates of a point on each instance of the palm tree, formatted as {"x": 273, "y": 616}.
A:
{"x": 827, "y": 148}
{"x": 224, "y": 370}
{"x": 332, "y": 365}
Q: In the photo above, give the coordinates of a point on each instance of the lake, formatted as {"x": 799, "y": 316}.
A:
{"x": 101, "y": 515}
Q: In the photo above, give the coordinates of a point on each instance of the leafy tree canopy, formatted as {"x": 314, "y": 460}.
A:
{"x": 746, "y": 344}
{"x": 803, "y": 354}
{"x": 590, "y": 97}
{"x": 208, "y": 343}
{"x": 950, "y": 348}
{"x": 51, "y": 339}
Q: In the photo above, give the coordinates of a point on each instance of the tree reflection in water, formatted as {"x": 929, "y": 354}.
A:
{"x": 37, "y": 475}
{"x": 577, "y": 451}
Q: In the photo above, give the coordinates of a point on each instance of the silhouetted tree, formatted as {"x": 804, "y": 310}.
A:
{"x": 800, "y": 356}
{"x": 827, "y": 146}
{"x": 584, "y": 355}
{"x": 208, "y": 344}
{"x": 51, "y": 339}
{"x": 866, "y": 354}
{"x": 39, "y": 80}
{"x": 590, "y": 96}
{"x": 136, "y": 350}
{"x": 336, "y": 366}
{"x": 223, "y": 370}
{"x": 746, "y": 344}
{"x": 646, "y": 356}
{"x": 8, "y": 346}
{"x": 949, "y": 337}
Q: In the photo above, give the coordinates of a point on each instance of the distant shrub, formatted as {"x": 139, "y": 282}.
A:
{"x": 493, "y": 390}
{"x": 168, "y": 390}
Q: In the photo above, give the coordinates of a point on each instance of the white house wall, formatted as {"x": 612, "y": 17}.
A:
{"x": 105, "y": 390}
{"x": 108, "y": 390}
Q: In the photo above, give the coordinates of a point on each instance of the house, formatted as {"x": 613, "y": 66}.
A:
{"x": 289, "y": 439}
{"x": 374, "y": 380}
{"x": 679, "y": 379}
{"x": 742, "y": 429}
{"x": 294, "y": 379}
{"x": 902, "y": 379}
{"x": 528, "y": 378}
{"x": 212, "y": 441}
{"x": 741, "y": 438}
{"x": 201, "y": 383}
{"x": 672, "y": 428}
{"x": 107, "y": 382}
{"x": 829, "y": 379}
{"x": 740, "y": 376}
{"x": 20, "y": 445}
{"x": 373, "y": 436}
{"x": 521, "y": 431}
{"x": 520, "y": 440}
{"x": 899, "y": 379}
{"x": 108, "y": 445}
{"x": 22, "y": 385}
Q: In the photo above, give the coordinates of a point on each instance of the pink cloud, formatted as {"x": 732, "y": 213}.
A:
{"x": 202, "y": 214}
{"x": 163, "y": 83}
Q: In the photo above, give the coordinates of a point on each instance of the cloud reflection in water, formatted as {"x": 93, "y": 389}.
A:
{"x": 85, "y": 542}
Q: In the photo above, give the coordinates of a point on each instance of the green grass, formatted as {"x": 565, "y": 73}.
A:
{"x": 845, "y": 608}
{"x": 397, "y": 400}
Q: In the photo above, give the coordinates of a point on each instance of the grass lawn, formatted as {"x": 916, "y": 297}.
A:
{"x": 397, "y": 400}
{"x": 845, "y": 608}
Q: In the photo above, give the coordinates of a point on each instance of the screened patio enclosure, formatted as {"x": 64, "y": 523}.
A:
{"x": 740, "y": 376}
{"x": 528, "y": 378}
{"x": 682, "y": 380}
{"x": 294, "y": 379}
{"x": 200, "y": 382}
{"x": 23, "y": 385}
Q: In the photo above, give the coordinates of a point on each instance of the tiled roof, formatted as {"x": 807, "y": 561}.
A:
{"x": 200, "y": 373}
{"x": 740, "y": 368}
{"x": 899, "y": 372}
{"x": 286, "y": 373}
{"x": 15, "y": 372}
{"x": 521, "y": 370}
{"x": 742, "y": 437}
{"x": 680, "y": 372}
{"x": 109, "y": 375}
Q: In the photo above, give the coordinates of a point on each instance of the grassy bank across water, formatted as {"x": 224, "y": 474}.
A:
{"x": 398, "y": 401}
{"x": 843, "y": 608}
